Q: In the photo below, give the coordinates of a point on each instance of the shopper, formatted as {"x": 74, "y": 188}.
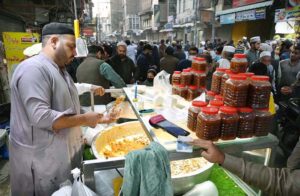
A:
{"x": 252, "y": 53}
{"x": 95, "y": 71}
{"x": 227, "y": 55}
{"x": 169, "y": 62}
{"x": 273, "y": 181}
{"x": 151, "y": 73}
{"x": 45, "y": 134}
{"x": 179, "y": 53}
{"x": 162, "y": 48}
{"x": 144, "y": 62}
{"x": 122, "y": 64}
{"x": 186, "y": 63}
{"x": 131, "y": 51}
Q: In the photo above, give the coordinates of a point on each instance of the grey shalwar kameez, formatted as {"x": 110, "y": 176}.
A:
{"x": 40, "y": 159}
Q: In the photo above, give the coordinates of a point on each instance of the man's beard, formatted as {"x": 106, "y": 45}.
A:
{"x": 122, "y": 56}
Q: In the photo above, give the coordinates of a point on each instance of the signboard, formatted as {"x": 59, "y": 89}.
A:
{"x": 239, "y": 3}
{"x": 170, "y": 19}
{"x": 156, "y": 15}
{"x": 206, "y": 16}
{"x": 15, "y": 43}
{"x": 227, "y": 19}
{"x": 282, "y": 15}
{"x": 250, "y": 15}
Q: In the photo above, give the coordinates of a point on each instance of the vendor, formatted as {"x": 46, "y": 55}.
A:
{"x": 45, "y": 134}
{"x": 273, "y": 181}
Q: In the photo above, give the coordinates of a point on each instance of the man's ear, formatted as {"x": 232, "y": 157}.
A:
{"x": 53, "y": 41}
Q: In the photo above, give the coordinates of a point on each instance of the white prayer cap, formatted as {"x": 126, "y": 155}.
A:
{"x": 265, "y": 47}
{"x": 255, "y": 39}
{"x": 121, "y": 43}
{"x": 33, "y": 50}
{"x": 229, "y": 49}
{"x": 244, "y": 37}
{"x": 265, "y": 53}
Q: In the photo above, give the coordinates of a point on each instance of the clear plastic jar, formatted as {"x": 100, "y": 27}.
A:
{"x": 229, "y": 122}
{"x": 182, "y": 91}
{"x": 199, "y": 79}
{"x": 239, "y": 63}
{"x": 208, "y": 124}
{"x": 195, "y": 63}
{"x": 194, "y": 110}
{"x": 246, "y": 122}
{"x": 209, "y": 96}
{"x": 219, "y": 98}
{"x": 217, "y": 79}
{"x": 263, "y": 122}
{"x": 225, "y": 77}
{"x": 186, "y": 77}
{"x": 175, "y": 89}
{"x": 201, "y": 64}
{"x": 259, "y": 92}
{"x": 176, "y": 77}
{"x": 216, "y": 103}
{"x": 236, "y": 91}
{"x": 193, "y": 92}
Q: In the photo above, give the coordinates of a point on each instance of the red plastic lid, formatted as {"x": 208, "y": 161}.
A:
{"x": 221, "y": 69}
{"x": 210, "y": 110}
{"x": 201, "y": 59}
{"x": 216, "y": 103}
{"x": 219, "y": 97}
{"x": 192, "y": 87}
{"x": 211, "y": 93}
{"x": 228, "y": 110}
{"x": 249, "y": 74}
{"x": 181, "y": 85}
{"x": 190, "y": 69}
{"x": 199, "y": 104}
{"x": 260, "y": 78}
{"x": 195, "y": 58}
{"x": 237, "y": 77}
{"x": 239, "y": 56}
{"x": 177, "y": 72}
{"x": 186, "y": 70}
{"x": 228, "y": 71}
{"x": 245, "y": 110}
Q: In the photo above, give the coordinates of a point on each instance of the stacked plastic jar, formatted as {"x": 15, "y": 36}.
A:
{"x": 208, "y": 124}
{"x": 217, "y": 79}
{"x": 199, "y": 79}
{"x": 236, "y": 90}
{"x": 201, "y": 64}
{"x": 246, "y": 122}
{"x": 239, "y": 63}
{"x": 194, "y": 110}
{"x": 225, "y": 77}
{"x": 216, "y": 103}
{"x": 176, "y": 77}
{"x": 263, "y": 122}
{"x": 192, "y": 93}
{"x": 175, "y": 88}
{"x": 182, "y": 91}
{"x": 186, "y": 77}
{"x": 259, "y": 92}
{"x": 219, "y": 98}
{"x": 195, "y": 63}
{"x": 210, "y": 96}
{"x": 229, "y": 122}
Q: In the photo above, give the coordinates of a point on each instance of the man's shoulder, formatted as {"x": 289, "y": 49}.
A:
{"x": 285, "y": 62}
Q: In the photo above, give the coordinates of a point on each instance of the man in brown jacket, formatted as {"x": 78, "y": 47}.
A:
{"x": 169, "y": 62}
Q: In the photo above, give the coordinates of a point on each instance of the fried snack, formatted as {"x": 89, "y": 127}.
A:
{"x": 119, "y": 100}
{"x": 183, "y": 167}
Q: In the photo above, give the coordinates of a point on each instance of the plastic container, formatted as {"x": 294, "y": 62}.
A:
{"x": 182, "y": 91}
{"x": 236, "y": 91}
{"x": 225, "y": 77}
{"x": 263, "y": 122}
{"x": 216, "y": 103}
{"x": 229, "y": 122}
{"x": 193, "y": 112}
{"x": 186, "y": 77}
{"x": 192, "y": 93}
{"x": 176, "y": 77}
{"x": 195, "y": 63}
{"x": 246, "y": 122}
{"x": 259, "y": 92}
{"x": 199, "y": 79}
{"x": 217, "y": 79}
{"x": 208, "y": 124}
{"x": 199, "y": 64}
{"x": 175, "y": 89}
{"x": 239, "y": 63}
{"x": 219, "y": 98}
{"x": 210, "y": 96}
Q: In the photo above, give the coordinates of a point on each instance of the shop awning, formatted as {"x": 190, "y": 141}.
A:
{"x": 165, "y": 30}
{"x": 244, "y": 8}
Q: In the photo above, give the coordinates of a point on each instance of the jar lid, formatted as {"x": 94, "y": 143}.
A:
{"x": 228, "y": 110}
{"x": 260, "y": 78}
{"x": 199, "y": 104}
{"x": 195, "y": 58}
{"x": 239, "y": 56}
{"x": 245, "y": 110}
{"x": 193, "y": 87}
{"x": 228, "y": 71}
{"x": 181, "y": 85}
{"x": 210, "y": 110}
{"x": 219, "y": 97}
{"x": 211, "y": 93}
{"x": 177, "y": 72}
{"x": 190, "y": 69}
{"x": 237, "y": 77}
{"x": 248, "y": 74}
{"x": 221, "y": 69}
{"x": 186, "y": 70}
{"x": 201, "y": 59}
{"x": 217, "y": 103}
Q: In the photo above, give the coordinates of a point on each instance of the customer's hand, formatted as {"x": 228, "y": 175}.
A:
{"x": 210, "y": 151}
{"x": 112, "y": 115}
{"x": 92, "y": 119}
{"x": 286, "y": 90}
{"x": 98, "y": 90}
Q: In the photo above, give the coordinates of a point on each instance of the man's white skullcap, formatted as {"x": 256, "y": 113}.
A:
{"x": 255, "y": 39}
{"x": 229, "y": 49}
{"x": 122, "y": 44}
{"x": 265, "y": 47}
{"x": 265, "y": 53}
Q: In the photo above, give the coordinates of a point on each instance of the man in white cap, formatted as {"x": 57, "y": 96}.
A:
{"x": 252, "y": 53}
{"x": 227, "y": 54}
{"x": 122, "y": 64}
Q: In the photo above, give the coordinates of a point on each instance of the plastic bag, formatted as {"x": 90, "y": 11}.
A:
{"x": 78, "y": 188}
{"x": 206, "y": 188}
{"x": 65, "y": 189}
{"x": 161, "y": 82}
{"x": 104, "y": 181}
{"x": 81, "y": 47}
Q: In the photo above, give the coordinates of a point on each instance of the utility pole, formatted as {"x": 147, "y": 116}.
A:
{"x": 213, "y": 27}
{"x": 195, "y": 24}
